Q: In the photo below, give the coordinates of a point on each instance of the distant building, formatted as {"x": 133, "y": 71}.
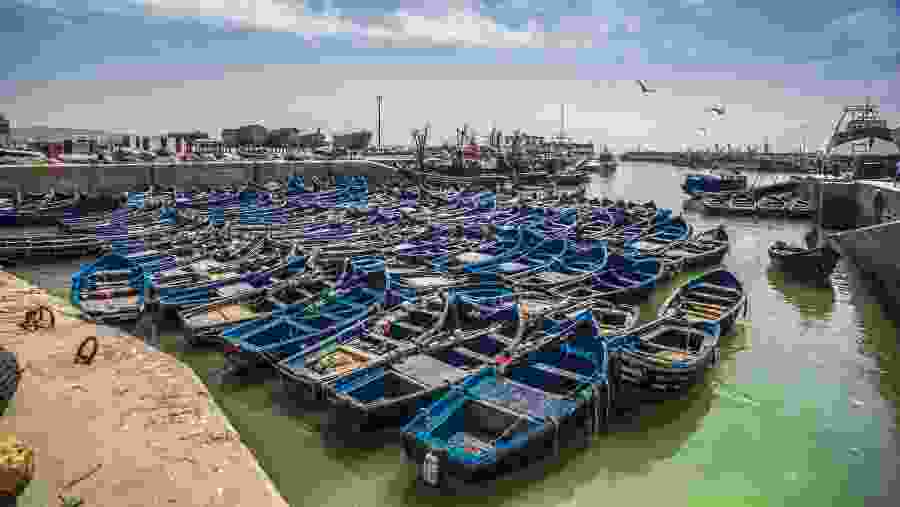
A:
{"x": 352, "y": 140}
{"x": 283, "y": 137}
{"x": 230, "y": 137}
{"x": 5, "y": 131}
{"x": 252, "y": 135}
{"x": 311, "y": 139}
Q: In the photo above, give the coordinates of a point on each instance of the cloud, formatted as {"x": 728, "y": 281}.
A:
{"x": 437, "y": 24}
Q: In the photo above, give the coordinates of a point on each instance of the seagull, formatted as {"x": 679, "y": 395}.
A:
{"x": 702, "y": 131}
{"x": 643, "y": 85}
{"x": 718, "y": 109}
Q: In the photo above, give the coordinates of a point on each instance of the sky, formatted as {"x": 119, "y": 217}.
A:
{"x": 783, "y": 70}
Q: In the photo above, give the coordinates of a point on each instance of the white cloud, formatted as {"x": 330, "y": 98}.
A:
{"x": 459, "y": 26}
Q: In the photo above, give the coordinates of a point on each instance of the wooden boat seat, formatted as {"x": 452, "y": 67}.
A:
{"x": 715, "y": 287}
{"x": 707, "y": 296}
{"x": 628, "y": 279}
{"x": 560, "y": 372}
{"x": 472, "y": 354}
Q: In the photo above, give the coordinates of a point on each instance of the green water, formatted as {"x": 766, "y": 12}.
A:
{"x": 802, "y": 407}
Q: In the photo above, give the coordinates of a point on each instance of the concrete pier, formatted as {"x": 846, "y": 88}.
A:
{"x": 874, "y": 245}
{"x": 94, "y": 179}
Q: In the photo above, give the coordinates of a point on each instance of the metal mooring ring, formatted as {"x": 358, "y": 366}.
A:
{"x": 41, "y": 317}
{"x": 81, "y": 357}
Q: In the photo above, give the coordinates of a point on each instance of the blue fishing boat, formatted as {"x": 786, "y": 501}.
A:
{"x": 624, "y": 280}
{"x": 539, "y": 252}
{"x": 110, "y": 289}
{"x": 505, "y": 243}
{"x": 662, "y": 236}
{"x": 384, "y": 335}
{"x": 714, "y": 298}
{"x": 578, "y": 263}
{"x": 481, "y": 333}
{"x": 664, "y": 358}
{"x": 507, "y": 417}
{"x": 696, "y": 185}
{"x": 363, "y": 290}
{"x": 707, "y": 248}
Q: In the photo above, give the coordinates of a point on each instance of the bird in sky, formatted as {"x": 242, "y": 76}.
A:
{"x": 643, "y": 85}
{"x": 719, "y": 109}
{"x": 702, "y": 131}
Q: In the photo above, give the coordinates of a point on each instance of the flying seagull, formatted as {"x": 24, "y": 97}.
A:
{"x": 718, "y": 109}
{"x": 702, "y": 131}
{"x": 643, "y": 85}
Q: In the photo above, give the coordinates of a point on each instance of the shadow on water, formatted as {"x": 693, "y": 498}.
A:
{"x": 812, "y": 298}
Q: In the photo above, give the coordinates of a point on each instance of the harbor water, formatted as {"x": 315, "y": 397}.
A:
{"x": 802, "y": 407}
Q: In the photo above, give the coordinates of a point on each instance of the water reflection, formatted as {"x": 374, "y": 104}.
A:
{"x": 813, "y": 299}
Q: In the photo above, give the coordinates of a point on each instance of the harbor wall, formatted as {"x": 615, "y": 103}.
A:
{"x": 874, "y": 243}
{"x": 116, "y": 178}
{"x": 874, "y": 251}
{"x": 840, "y": 206}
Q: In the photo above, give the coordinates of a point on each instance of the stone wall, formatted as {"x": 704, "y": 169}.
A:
{"x": 117, "y": 178}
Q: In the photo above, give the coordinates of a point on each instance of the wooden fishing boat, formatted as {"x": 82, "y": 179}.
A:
{"x": 48, "y": 245}
{"x": 742, "y": 203}
{"x": 482, "y": 330}
{"x": 538, "y": 252}
{"x": 705, "y": 249}
{"x": 203, "y": 324}
{"x": 799, "y": 208}
{"x": 623, "y": 281}
{"x": 386, "y": 335}
{"x": 504, "y": 242}
{"x": 663, "y": 359}
{"x": 110, "y": 289}
{"x": 575, "y": 266}
{"x": 508, "y": 417}
{"x": 819, "y": 261}
{"x": 715, "y": 204}
{"x": 714, "y": 299}
{"x": 697, "y": 185}
{"x": 364, "y": 289}
{"x": 771, "y": 205}
{"x": 663, "y": 236}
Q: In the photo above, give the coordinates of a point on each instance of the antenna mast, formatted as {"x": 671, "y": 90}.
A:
{"x": 378, "y": 124}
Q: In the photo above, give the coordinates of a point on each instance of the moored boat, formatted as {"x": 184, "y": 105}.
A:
{"x": 799, "y": 208}
{"x": 508, "y": 417}
{"x": 714, "y": 299}
{"x": 819, "y": 261}
{"x": 663, "y": 358}
{"x": 624, "y": 281}
{"x": 742, "y": 204}
{"x": 771, "y": 205}
{"x": 705, "y": 249}
{"x": 715, "y": 204}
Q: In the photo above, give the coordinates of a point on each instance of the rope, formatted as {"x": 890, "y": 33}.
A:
{"x": 555, "y": 422}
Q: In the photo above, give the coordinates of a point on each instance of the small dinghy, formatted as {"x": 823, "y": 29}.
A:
{"x": 799, "y": 208}
{"x": 624, "y": 281}
{"x": 705, "y": 249}
{"x": 575, "y": 266}
{"x": 742, "y": 203}
{"x": 664, "y": 359}
{"x": 539, "y": 252}
{"x": 771, "y": 206}
{"x": 663, "y": 236}
{"x": 715, "y": 204}
{"x": 522, "y": 412}
{"x": 714, "y": 298}
{"x": 389, "y": 334}
{"x": 363, "y": 290}
{"x": 818, "y": 261}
